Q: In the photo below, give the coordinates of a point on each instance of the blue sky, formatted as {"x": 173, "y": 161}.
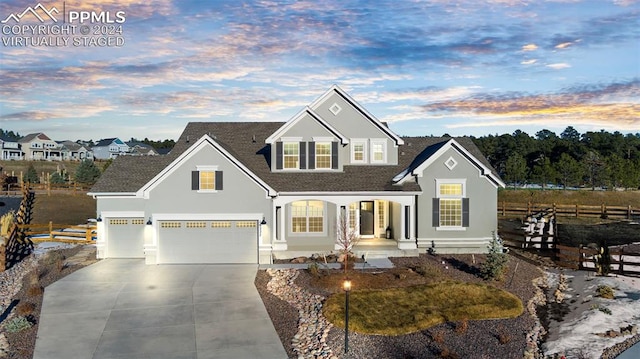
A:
{"x": 465, "y": 67}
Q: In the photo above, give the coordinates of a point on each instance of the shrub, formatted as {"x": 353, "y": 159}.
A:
{"x": 493, "y": 267}
{"x": 446, "y": 353}
{"x": 604, "y": 291}
{"x": 35, "y": 291}
{"x": 25, "y": 308}
{"x": 605, "y": 310}
{"x": 17, "y": 324}
{"x": 462, "y": 326}
{"x": 504, "y": 338}
{"x": 314, "y": 269}
{"x": 437, "y": 336}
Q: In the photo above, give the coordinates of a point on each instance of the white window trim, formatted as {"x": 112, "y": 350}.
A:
{"x": 206, "y": 168}
{"x": 291, "y": 139}
{"x": 462, "y": 181}
{"x": 363, "y": 142}
{"x": 307, "y": 234}
{"x": 384, "y": 150}
{"x": 324, "y": 139}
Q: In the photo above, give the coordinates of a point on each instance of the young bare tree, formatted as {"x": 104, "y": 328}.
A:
{"x": 347, "y": 238}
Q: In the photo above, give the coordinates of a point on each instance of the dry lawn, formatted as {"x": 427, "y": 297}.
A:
{"x": 399, "y": 311}
{"x": 63, "y": 208}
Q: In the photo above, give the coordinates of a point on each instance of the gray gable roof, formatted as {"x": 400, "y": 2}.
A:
{"x": 246, "y": 142}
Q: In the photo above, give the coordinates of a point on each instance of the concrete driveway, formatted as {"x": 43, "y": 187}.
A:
{"x": 122, "y": 308}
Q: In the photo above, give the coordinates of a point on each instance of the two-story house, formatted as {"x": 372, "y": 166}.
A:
{"x": 38, "y": 146}
{"x": 110, "y": 148}
{"x": 74, "y": 151}
{"x": 141, "y": 149}
{"x": 11, "y": 150}
{"x": 250, "y": 192}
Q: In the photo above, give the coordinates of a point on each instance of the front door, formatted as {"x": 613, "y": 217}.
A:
{"x": 366, "y": 218}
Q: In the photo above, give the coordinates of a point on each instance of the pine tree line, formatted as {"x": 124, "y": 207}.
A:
{"x": 591, "y": 159}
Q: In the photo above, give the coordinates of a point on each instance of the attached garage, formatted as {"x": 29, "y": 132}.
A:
{"x": 126, "y": 237}
{"x": 201, "y": 241}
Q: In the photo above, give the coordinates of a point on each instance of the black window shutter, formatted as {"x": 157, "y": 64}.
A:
{"x": 218, "y": 180}
{"x": 436, "y": 212}
{"x": 195, "y": 180}
{"x": 334, "y": 155}
{"x": 303, "y": 155}
{"x": 312, "y": 155}
{"x": 278, "y": 155}
{"x": 465, "y": 212}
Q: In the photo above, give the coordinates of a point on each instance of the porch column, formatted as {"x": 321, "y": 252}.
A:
{"x": 407, "y": 222}
{"x": 279, "y": 222}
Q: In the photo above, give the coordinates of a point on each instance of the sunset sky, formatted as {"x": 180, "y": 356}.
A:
{"x": 466, "y": 67}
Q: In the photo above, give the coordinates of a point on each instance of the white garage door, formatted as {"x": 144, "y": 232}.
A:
{"x": 125, "y": 237}
{"x": 208, "y": 242}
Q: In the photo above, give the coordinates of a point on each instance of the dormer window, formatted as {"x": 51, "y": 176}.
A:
{"x": 359, "y": 151}
{"x": 323, "y": 155}
{"x": 378, "y": 151}
{"x": 291, "y": 155}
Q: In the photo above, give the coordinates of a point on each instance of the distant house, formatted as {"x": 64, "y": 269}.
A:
{"x": 141, "y": 149}
{"x": 73, "y": 151}
{"x": 110, "y": 148}
{"x": 38, "y": 146}
{"x": 10, "y": 150}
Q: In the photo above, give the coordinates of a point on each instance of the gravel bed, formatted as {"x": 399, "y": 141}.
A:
{"x": 501, "y": 338}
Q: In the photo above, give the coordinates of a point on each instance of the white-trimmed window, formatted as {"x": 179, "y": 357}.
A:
{"x": 378, "y": 151}
{"x": 307, "y": 217}
{"x": 353, "y": 215}
{"x": 323, "y": 155}
{"x": 451, "y": 208}
{"x": 206, "y": 179}
{"x": 358, "y": 151}
{"x": 291, "y": 155}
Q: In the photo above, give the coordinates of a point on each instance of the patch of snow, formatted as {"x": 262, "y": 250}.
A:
{"x": 580, "y": 333}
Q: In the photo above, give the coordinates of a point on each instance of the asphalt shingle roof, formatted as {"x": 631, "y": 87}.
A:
{"x": 246, "y": 142}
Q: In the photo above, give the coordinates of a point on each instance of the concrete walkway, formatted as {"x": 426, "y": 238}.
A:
{"x": 122, "y": 308}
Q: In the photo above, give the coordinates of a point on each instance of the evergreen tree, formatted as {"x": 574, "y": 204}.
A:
{"x": 516, "y": 169}
{"x": 87, "y": 172}
{"x": 493, "y": 267}
{"x": 57, "y": 178}
{"x": 568, "y": 171}
{"x": 542, "y": 171}
{"x": 31, "y": 176}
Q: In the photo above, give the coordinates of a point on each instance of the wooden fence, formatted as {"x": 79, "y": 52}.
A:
{"x": 65, "y": 233}
{"x": 68, "y": 188}
{"x": 583, "y": 259}
{"x": 564, "y": 210}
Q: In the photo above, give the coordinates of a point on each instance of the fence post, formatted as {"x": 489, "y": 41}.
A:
{"x": 528, "y": 208}
{"x": 629, "y": 212}
{"x": 620, "y": 266}
{"x": 577, "y": 211}
{"x": 504, "y": 209}
{"x": 51, "y": 230}
{"x": 603, "y": 211}
{"x": 87, "y": 234}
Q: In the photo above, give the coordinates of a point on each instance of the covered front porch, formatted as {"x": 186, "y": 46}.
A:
{"x": 309, "y": 224}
